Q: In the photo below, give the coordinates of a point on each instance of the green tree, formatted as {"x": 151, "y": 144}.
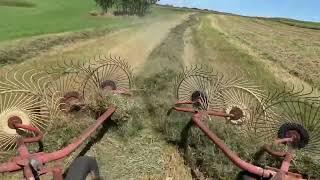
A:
{"x": 133, "y": 7}
{"x": 105, "y": 4}
{"x": 128, "y": 7}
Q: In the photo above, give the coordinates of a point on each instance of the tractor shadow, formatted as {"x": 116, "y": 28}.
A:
{"x": 107, "y": 125}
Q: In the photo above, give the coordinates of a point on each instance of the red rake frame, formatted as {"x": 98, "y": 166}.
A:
{"x": 269, "y": 172}
{"x": 78, "y": 82}
{"x": 32, "y": 164}
{"x": 203, "y": 92}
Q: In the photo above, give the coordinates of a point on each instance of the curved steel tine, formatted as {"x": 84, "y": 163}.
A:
{"x": 103, "y": 69}
{"x": 297, "y": 112}
{"x": 23, "y": 95}
{"x": 28, "y": 80}
{"x": 195, "y": 78}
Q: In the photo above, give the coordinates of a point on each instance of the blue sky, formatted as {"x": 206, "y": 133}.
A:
{"x": 297, "y": 9}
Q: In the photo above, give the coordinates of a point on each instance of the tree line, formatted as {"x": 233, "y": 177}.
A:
{"x": 126, "y": 7}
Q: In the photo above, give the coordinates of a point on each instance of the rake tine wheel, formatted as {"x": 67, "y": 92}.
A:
{"x": 29, "y": 81}
{"x": 197, "y": 84}
{"x": 67, "y": 88}
{"x": 294, "y": 116}
{"x": 212, "y": 91}
{"x": 110, "y": 73}
{"x": 66, "y": 80}
{"x": 23, "y": 100}
{"x": 241, "y": 98}
{"x": 80, "y": 82}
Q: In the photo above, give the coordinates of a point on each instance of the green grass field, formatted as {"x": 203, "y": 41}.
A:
{"x": 57, "y": 16}
{"x": 54, "y": 17}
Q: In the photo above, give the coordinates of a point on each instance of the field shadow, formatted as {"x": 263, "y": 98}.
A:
{"x": 99, "y": 135}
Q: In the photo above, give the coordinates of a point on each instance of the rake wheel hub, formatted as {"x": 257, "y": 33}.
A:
{"x": 11, "y": 116}
{"x": 300, "y": 136}
{"x": 294, "y": 134}
{"x": 14, "y": 120}
{"x": 240, "y": 114}
{"x": 199, "y": 99}
{"x": 71, "y": 101}
{"x": 237, "y": 113}
{"x": 108, "y": 85}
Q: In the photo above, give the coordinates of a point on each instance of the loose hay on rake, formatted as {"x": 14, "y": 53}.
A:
{"x": 288, "y": 117}
{"x": 80, "y": 83}
{"x": 30, "y": 100}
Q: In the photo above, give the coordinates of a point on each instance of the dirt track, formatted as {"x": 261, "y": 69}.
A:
{"x": 189, "y": 52}
{"x": 133, "y": 44}
{"x": 139, "y": 156}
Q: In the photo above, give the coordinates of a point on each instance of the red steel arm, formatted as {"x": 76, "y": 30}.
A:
{"x": 72, "y": 147}
{"x": 268, "y": 147}
{"x": 9, "y": 167}
{"x": 44, "y": 158}
{"x": 219, "y": 113}
{"x": 13, "y": 166}
{"x": 37, "y": 138}
{"x": 197, "y": 118}
{"x": 192, "y": 110}
{"x": 183, "y": 109}
{"x": 183, "y": 102}
{"x": 286, "y": 163}
{"x": 211, "y": 113}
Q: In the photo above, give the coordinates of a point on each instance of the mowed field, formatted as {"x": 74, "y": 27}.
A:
{"x": 296, "y": 49}
{"x": 268, "y": 52}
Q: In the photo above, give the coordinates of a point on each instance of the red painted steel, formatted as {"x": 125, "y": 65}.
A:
{"x": 219, "y": 113}
{"x": 282, "y": 174}
{"x": 268, "y": 147}
{"x": 286, "y": 162}
{"x": 39, "y": 134}
{"x": 71, "y": 147}
{"x": 197, "y": 119}
{"x": 211, "y": 113}
{"x": 24, "y": 153}
{"x": 184, "y": 102}
{"x": 9, "y": 167}
{"x": 183, "y": 109}
{"x": 57, "y": 173}
{"x": 192, "y": 110}
{"x": 290, "y": 175}
{"x": 267, "y": 173}
{"x": 21, "y": 162}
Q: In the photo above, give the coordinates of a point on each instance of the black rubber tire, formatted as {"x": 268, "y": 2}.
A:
{"x": 304, "y": 135}
{"x": 81, "y": 167}
{"x": 245, "y": 175}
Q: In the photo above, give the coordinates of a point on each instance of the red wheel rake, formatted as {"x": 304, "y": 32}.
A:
{"x": 79, "y": 83}
{"x": 286, "y": 117}
{"x": 30, "y": 101}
